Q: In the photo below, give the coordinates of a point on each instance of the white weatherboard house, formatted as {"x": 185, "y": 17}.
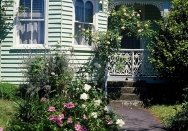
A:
{"x": 44, "y": 23}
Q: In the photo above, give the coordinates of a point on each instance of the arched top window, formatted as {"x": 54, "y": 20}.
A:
{"x": 84, "y": 11}
{"x": 89, "y": 12}
{"x": 83, "y": 20}
{"x": 79, "y": 10}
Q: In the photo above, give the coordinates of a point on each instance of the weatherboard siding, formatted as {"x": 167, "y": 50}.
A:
{"x": 60, "y": 27}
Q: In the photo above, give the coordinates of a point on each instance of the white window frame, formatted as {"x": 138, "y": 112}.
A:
{"x": 94, "y": 24}
{"x": 16, "y": 38}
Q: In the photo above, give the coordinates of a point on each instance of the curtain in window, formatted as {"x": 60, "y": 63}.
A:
{"x": 31, "y": 25}
{"x": 79, "y": 10}
{"x": 89, "y": 12}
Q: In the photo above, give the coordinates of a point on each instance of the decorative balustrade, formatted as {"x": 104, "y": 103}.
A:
{"x": 130, "y": 62}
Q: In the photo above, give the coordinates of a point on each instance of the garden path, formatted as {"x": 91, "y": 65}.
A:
{"x": 138, "y": 119}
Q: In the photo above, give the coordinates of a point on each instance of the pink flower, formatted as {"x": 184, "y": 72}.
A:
{"x": 69, "y": 120}
{"x": 1, "y": 128}
{"x": 57, "y": 119}
{"x": 69, "y": 105}
{"x": 110, "y": 122}
{"x": 51, "y": 109}
{"x": 79, "y": 127}
{"x": 61, "y": 116}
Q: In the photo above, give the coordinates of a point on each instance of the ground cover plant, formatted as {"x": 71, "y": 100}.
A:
{"x": 8, "y": 109}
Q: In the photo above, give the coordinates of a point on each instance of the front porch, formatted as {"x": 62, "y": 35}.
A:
{"x": 130, "y": 65}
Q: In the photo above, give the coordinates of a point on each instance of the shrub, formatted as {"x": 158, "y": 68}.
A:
{"x": 169, "y": 50}
{"x": 48, "y": 73}
{"x": 8, "y": 91}
{"x": 55, "y": 101}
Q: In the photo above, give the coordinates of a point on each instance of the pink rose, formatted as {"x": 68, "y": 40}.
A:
{"x": 69, "y": 120}
{"x": 79, "y": 127}
{"x": 1, "y": 128}
{"x": 69, "y": 105}
{"x": 51, "y": 109}
{"x": 57, "y": 119}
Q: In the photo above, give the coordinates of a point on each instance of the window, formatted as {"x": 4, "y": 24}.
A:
{"x": 31, "y": 24}
{"x": 83, "y": 20}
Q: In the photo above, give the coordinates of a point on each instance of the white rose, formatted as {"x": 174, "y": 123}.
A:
{"x": 84, "y": 96}
{"x": 120, "y": 122}
{"x": 52, "y": 73}
{"x": 87, "y": 87}
{"x": 94, "y": 114}
{"x": 106, "y": 108}
{"x": 97, "y": 102}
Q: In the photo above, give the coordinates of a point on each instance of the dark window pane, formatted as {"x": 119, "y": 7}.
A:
{"x": 89, "y": 12}
{"x": 79, "y": 10}
{"x": 38, "y": 9}
{"x": 26, "y": 5}
{"x": 38, "y": 32}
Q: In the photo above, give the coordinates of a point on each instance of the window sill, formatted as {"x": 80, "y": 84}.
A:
{"x": 83, "y": 47}
{"x": 30, "y": 47}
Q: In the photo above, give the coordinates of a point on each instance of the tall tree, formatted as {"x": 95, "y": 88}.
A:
{"x": 169, "y": 50}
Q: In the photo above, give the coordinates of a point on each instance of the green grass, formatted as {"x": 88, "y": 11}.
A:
{"x": 7, "y": 111}
{"x": 165, "y": 112}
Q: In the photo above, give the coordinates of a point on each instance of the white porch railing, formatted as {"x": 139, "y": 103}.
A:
{"x": 130, "y": 63}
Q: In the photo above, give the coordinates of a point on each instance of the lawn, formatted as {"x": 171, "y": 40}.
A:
{"x": 165, "y": 112}
{"x": 7, "y": 111}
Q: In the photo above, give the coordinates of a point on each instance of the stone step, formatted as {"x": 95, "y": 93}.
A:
{"x": 128, "y": 96}
{"x": 130, "y": 103}
{"x": 123, "y": 84}
{"x": 122, "y": 89}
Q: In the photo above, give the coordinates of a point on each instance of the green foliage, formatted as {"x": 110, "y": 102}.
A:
{"x": 127, "y": 21}
{"x": 169, "y": 49}
{"x": 48, "y": 73}
{"x": 8, "y": 91}
{"x": 5, "y": 26}
{"x": 65, "y": 104}
{"x": 8, "y": 109}
{"x": 165, "y": 112}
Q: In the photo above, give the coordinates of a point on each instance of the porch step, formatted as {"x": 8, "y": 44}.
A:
{"x": 130, "y": 103}
{"x": 122, "y": 89}
{"x": 129, "y": 96}
{"x": 123, "y": 83}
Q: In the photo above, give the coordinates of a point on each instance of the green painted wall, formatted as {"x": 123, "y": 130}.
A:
{"x": 59, "y": 30}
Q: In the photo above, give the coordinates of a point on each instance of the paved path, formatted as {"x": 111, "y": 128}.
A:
{"x": 138, "y": 119}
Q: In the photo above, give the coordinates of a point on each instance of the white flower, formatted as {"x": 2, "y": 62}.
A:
{"x": 106, "y": 108}
{"x": 138, "y": 15}
{"x": 97, "y": 102}
{"x": 140, "y": 30}
{"x": 94, "y": 114}
{"x": 87, "y": 87}
{"x": 52, "y": 73}
{"x": 84, "y": 96}
{"x": 83, "y": 106}
{"x": 120, "y": 122}
{"x": 97, "y": 65}
{"x": 123, "y": 27}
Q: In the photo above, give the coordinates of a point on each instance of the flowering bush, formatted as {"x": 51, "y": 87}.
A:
{"x": 81, "y": 108}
